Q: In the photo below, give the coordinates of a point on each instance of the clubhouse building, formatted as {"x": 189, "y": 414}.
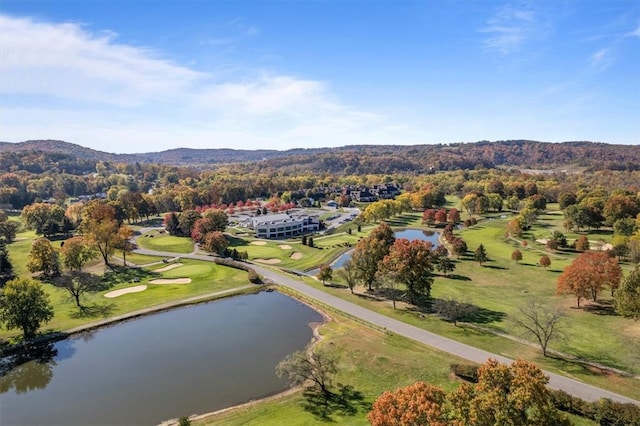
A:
{"x": 282, "y": 225}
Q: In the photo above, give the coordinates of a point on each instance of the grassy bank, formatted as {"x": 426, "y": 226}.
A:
{"x": 206, "y": 277}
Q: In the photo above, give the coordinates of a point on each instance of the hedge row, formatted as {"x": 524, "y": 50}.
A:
{"x": 252, "y": 274}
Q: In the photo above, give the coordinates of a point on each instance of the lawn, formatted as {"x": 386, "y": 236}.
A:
{"x": 162, "y": 241}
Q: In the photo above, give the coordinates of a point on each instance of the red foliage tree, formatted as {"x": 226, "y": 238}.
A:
{"x": 441, "y": 215}
{"x": 588, "y": 275}
{"x": 429, "y": 215}
{"x": 454, "y": 216}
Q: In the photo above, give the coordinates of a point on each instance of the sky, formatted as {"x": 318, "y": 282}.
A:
{"x": 149, "y": 75}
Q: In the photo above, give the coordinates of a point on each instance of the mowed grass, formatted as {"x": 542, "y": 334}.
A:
{"x": 206, "y": 277}
{"x": 371, "y": 361}
{"x": 325, "y": 249}
{"x": 162, "y": 241}
{"x": 502, "y": 285}
{"x": 482, "y": 339}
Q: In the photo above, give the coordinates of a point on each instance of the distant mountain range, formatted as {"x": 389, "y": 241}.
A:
{"x": 178, "y": 156}
{"x": 371, "y": 158}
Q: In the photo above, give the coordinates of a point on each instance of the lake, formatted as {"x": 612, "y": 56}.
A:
{"x": 409, "y": 234}
{"x": 185, "y": 361}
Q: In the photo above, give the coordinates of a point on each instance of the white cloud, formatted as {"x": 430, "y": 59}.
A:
{"x": 634, "y": 33}
{"x": 63, "y": 81}
{"x": 601, "y": 59}
{"x": 509, "y": 29}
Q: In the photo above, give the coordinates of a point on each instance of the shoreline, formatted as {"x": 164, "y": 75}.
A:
{"x": 56, "y": 336}
{"x": 315, "y": 339}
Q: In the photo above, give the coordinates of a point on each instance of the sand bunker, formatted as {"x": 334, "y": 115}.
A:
{"x": 268, "y": 261}
{"x": 259, "y": 243}
{"x": 173, "y": 281}
{"x": 296, "y": 256}
{"x": 168, "y": 267}
{"x": 117, "y": 293}
{"x": 285, "y": 246}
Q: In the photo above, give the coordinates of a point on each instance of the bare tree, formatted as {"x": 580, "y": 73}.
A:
{"x": 348, "y": 273}
{"x": 539, "y": 321}
{"x": 318, "y": 368}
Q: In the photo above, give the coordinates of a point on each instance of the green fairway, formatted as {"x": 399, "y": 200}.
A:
{"x": 162, "y": 241}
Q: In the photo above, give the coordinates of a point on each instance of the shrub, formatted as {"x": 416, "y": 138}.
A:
{"x": 254, "y": 278}
{"x": 466, "y": 372}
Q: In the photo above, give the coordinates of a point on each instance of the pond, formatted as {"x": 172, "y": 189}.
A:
{"x": 176, "y": 363}
{"x": 409, "y": 234}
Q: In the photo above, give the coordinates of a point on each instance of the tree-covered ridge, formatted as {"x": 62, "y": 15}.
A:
{"x": 363, "y": 159}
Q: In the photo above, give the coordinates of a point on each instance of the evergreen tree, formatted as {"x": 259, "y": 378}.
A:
{"x": 6, "y": 268}
{"x": 480, "y": 254}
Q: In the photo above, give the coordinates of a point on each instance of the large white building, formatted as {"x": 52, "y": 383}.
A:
{"x": 282, "y": 225}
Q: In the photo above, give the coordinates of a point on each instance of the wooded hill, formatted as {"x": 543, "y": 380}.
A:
{"x": 356, "y": 159}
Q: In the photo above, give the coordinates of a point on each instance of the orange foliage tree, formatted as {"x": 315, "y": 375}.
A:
{"x": 588, "y": 275}
{"x": 505, "y": 395}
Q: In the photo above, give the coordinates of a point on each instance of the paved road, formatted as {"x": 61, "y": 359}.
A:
{"x": 573, "y": 387}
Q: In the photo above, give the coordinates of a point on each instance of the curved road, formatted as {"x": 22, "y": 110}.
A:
{"x": 556, "y": 381}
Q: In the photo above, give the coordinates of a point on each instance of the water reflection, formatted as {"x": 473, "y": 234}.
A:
{"x": 29, "y": 369}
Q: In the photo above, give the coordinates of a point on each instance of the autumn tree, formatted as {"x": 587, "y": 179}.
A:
{"x": 125, "y": 234}
{"x": 459, "y": 246}
{"x": 582, "y": 243}
{"x": 100, "y": 227}
{"x": 441, "y": 215}
{"x": 539, "y": 321}
{"x": 516, "y": 255}
{"x": 410, "y": 263}
{"x": 215, "y": 242}
{"x": 43, "y": 258}
{"x": 6, "y": 268}
{"x": 45, "y": 219}
{"x": 429, "y": 216}
{"x": 25, "y": 305}
{"x": 370, "y": 251}
{"x": 187, "y": 220}
{"x": 8, "y": 229}
{"x": 627, "y": 296}
{"x": 75, "y": 252}
{"x": 514, "y": 227}
{"x": 504, "y": 395}
{"x": 545, "y": 261}
{"x": 453, "y": 216}
{"x": 588, "y": 275}
{"x": 325, "y": 274}
{"x": 416, "y": 404}
{"x": 218, "y": 218}
{"x": 77, "y": 284}
{"x": 171, "y": 223}
{"x": 480, "y": 255}
{"x": 316, "y": 368}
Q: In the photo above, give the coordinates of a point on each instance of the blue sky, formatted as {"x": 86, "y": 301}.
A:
{"x": 136, "y": 76}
